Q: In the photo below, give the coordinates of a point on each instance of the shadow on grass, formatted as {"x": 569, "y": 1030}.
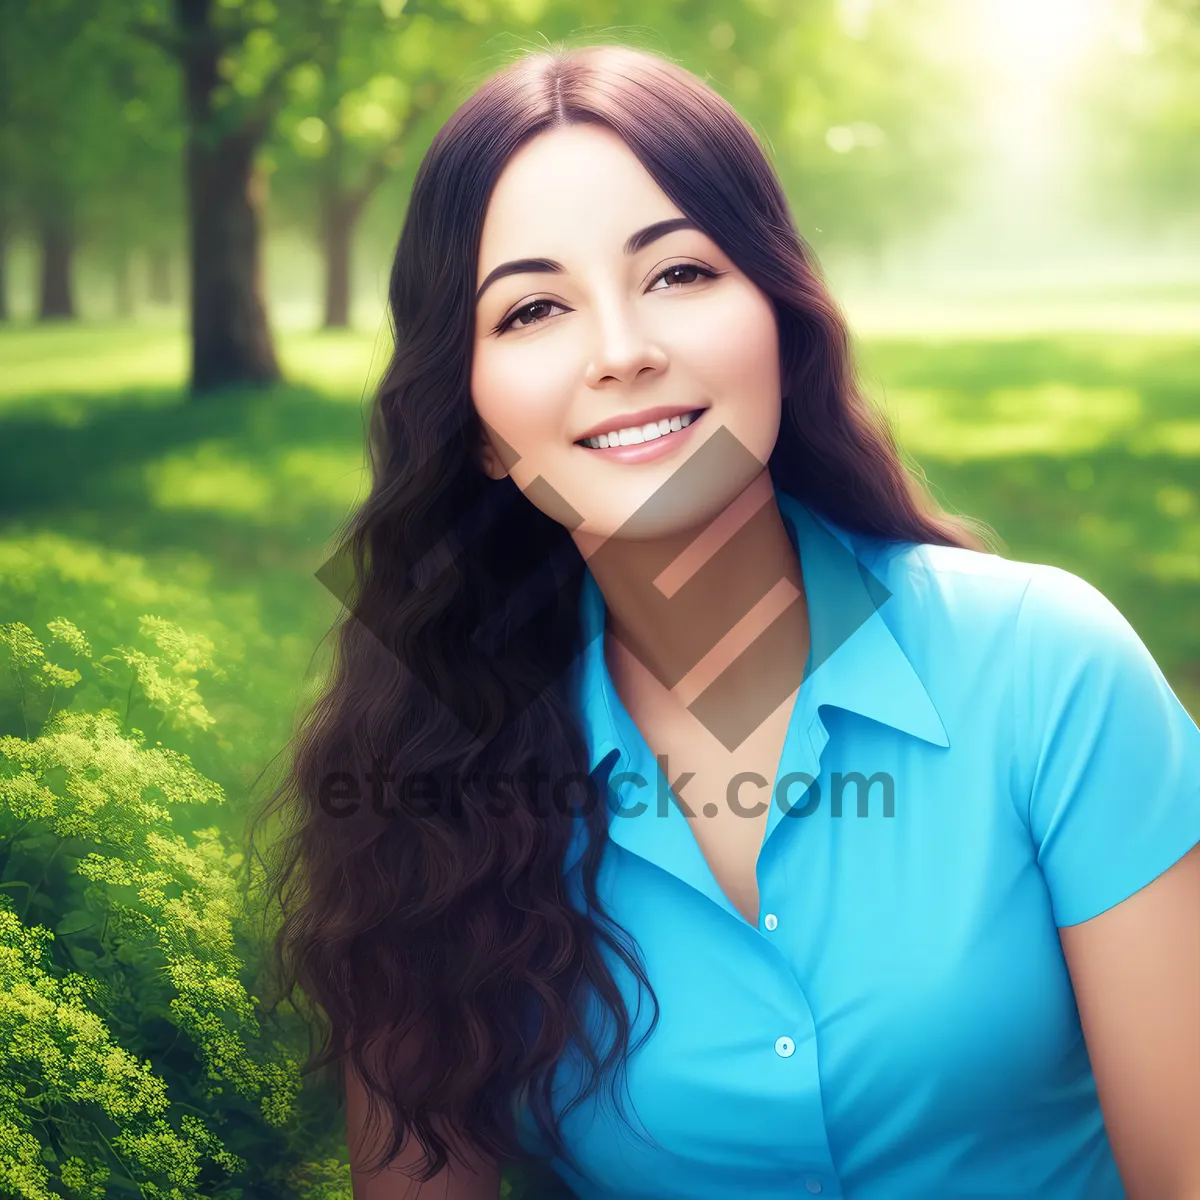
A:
{"x": 72, "y": 476}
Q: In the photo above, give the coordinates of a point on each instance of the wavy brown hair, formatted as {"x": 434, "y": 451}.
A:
{"x": 461, "y": 627}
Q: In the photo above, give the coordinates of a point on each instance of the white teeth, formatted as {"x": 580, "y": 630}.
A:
{"x": 646, "y": 433}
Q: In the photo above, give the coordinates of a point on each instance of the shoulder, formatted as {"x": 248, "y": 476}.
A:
{"x": 978, "y": 625}
{"x": 973, "y": 588}
{"x": 950, "y": 594}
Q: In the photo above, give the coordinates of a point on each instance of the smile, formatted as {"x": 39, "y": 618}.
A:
{"x": 635, "y": 436}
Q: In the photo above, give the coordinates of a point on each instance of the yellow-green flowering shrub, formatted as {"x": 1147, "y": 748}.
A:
{"x": 123, "y": 1018}
{"x": 266, "y": 630}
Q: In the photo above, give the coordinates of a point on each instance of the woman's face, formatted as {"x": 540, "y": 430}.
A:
{"x": 664, "y": 323}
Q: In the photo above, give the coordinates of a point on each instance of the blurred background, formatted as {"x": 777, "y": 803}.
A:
{"x": 199, "y": 200}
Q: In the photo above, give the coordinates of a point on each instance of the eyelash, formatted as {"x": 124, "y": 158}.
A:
{"x": 508, "y": 321}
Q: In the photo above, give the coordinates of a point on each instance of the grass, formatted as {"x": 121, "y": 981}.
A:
{"x": 118, "y": 497}
{"x": 1082, "y": 451}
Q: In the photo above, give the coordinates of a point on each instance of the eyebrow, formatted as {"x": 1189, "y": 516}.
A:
{"x": 636, "y": 241}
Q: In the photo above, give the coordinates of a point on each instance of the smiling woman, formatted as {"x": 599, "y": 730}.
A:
{"x": 664, "y": 304}
{"x": 631, "y": 512}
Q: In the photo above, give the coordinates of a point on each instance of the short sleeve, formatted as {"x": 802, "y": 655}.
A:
{"x": 1109, "y": 758}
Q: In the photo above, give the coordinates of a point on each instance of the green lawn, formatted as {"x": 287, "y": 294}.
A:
{"x": 1082, "y": 451}
{"x": 119, "y": 498}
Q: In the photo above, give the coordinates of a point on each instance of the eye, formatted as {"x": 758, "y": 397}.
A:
{"x": 530, "y": 310}
{"x": 534, "y": 307}
{"x": 685, "y": 268}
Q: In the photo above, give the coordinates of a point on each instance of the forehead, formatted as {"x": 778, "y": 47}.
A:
{"x": 572, "y": 185}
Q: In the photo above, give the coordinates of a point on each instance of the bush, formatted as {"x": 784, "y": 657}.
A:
{"x": 122, "y": 1014}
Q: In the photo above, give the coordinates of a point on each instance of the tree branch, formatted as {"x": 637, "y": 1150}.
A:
{"x": 162, "y": 36}
{"x": 354, "y": 199}
{"x": 266, "y": 104}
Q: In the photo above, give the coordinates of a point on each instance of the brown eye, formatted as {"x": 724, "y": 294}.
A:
{"x": 689, "y": 271}
{"x": 531, "y": 310}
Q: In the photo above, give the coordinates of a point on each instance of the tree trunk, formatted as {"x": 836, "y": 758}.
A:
{"x": 57, "y": 300}
{"x": 4, "y": 227}
{"x": 339, "y": 221}
{"x": 341, "y": 207}
{"x": 231, "y": 340}
{"x": 158, "y": 282}
{"x": 337, "y": 231}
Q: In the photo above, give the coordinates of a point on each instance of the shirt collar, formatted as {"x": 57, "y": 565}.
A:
{"x": 855, "y": 661}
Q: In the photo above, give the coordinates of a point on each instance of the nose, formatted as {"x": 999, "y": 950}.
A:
{"x": 624, "y": 351}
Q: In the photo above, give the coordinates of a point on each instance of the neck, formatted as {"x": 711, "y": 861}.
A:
{"x": 707, "y": 624}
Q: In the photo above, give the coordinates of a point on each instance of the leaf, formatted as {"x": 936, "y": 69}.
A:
{"x": 76, "y": 921}
{"x": 86, "y": 961}
{"x": 120, "y": 1185}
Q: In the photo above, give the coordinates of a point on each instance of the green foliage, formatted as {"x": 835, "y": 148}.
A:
{"x": 122, "y": 1013}
{"x": 89, "y": 125}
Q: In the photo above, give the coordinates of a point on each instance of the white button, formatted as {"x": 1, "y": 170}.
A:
{"x": 785, "y": 1047}
{"x": 812, "y": 1185}
{"x": 770, "y": 920}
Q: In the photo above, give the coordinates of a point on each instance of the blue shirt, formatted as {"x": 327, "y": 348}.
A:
{"x": 901, "y": 1022}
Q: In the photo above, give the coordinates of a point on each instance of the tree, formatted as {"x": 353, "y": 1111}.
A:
{"x": 9, "y": 145}
{"x": 50, "y": 97}
{"x": 82, "y": 159}
{"x": 137, "y": 203}
{"x": 230, "y": 100}
{"x": 238, "y": 60}
{"x": 369, "y": 99}
{"x": 349, "y": 122}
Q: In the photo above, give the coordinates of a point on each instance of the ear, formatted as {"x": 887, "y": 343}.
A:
{"x": 490, "y": 464}
{"x": 489, "y": 460}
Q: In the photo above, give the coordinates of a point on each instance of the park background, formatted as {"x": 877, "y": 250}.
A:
{"x": 199, "y": 200}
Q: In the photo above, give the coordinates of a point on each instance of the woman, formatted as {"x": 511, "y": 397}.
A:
{"x": 635, "y": 536}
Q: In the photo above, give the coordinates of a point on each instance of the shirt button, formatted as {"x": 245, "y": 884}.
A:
{"x": 770, "y": 920}
{"x": 785, "y": 1047}
{"x": 812, "y": 1185}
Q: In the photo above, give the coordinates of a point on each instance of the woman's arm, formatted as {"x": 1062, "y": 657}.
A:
{"x": 463, "y": 1178}
{"x": 1136, "y": 973}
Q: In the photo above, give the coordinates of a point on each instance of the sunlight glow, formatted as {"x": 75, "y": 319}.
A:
{"x": 1035, "y": 40}
{"x": 1030, "y": 54}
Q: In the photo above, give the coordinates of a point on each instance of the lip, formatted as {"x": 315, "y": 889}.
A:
{"x": 656, "y": 448}
{"x": 637, "y": 419}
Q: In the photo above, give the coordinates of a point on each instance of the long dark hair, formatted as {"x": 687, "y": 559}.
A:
{"x": 462, "y": 622}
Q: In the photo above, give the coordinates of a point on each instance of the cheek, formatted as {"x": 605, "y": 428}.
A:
{"x": 734, "y": 346}
{"x": 522, "y": 394}
{"x": 733, "y": 352}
